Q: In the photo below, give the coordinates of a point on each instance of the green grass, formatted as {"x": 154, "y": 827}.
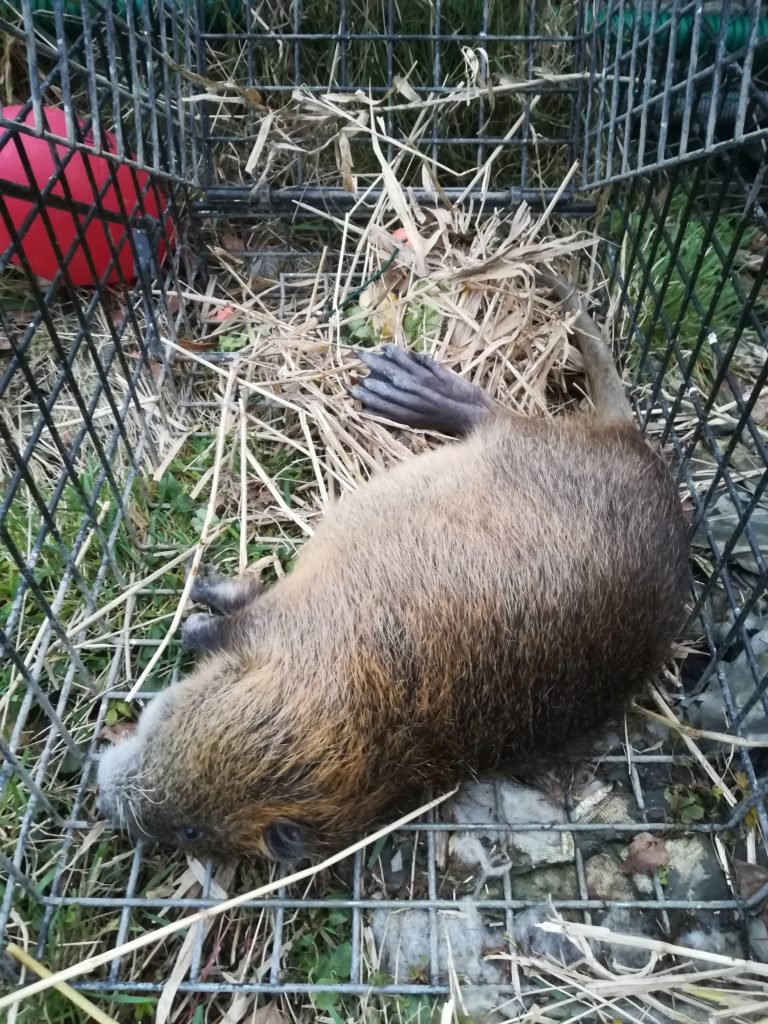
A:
{"x": 718, "y": 306}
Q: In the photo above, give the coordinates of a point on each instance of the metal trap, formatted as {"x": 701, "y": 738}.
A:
{"x": 187, "y": 192}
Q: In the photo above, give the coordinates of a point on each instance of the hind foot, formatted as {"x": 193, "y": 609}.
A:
{"x": 222, "y": 594}
{"x": 412, "y": 389}
{"x": 202, "y": 632}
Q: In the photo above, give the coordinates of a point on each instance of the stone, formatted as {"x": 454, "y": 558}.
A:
{"x": 694, "y": 872}
{"x": 605, "y": 879}
{"x": 463, "y": 939}
{"x": 508, "y": 803}
{"x": 558, "y": 882}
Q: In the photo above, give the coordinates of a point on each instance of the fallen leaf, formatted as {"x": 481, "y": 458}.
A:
{"x": 261, "y": 141}
{"x": 117, "y": 733}
{"x": 240, "y": 1005}
{"x": 257, "y": 494}
{"x": 220, "y": 313}
{"x": 405, "y": 89}
{"x": 749, "y": 878}
{"x": 185, "y": 956}
{"x": 646, "y": 853}
{"x": 198, "y": 346}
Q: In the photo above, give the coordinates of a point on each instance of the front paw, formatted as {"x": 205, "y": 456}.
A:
{"x": 223, "y": 594}
{"x": 202, "y": 632}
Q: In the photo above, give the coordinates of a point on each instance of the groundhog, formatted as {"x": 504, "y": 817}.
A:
{"x": 473, "y": 607}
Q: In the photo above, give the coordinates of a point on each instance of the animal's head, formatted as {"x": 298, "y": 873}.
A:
{"x": 226, "y": 764}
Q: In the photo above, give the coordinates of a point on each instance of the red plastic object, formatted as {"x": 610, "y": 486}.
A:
{"x": 38, "y": 250}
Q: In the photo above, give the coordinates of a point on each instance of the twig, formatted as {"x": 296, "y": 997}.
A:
{"x": 138, "y": 585}
{"x": 703, "y": 734}
{"x": 601, "y": 934}
{"x": 668, "y": 714}
{"x": 256, "y": 466}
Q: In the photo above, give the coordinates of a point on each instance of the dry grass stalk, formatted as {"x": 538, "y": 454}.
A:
{"x": 574, "y": 930}
{"x": 76, "y": 998}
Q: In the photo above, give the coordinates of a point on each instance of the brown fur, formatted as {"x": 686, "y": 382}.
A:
{"x": 475, "y": 606}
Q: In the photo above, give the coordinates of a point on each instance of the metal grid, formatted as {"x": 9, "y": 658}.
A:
{"x": 667, "y": 402}
{"x": 115, "y": 67}
{"x": 669, "y": 82}
{"x": 101, "y": 350}
{"x": 274, "y": 975}
{"x": 281, "y": 49}
{"x": 717, "y": 420}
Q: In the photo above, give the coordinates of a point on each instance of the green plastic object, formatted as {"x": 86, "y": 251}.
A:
{"x": 736, "y": 37}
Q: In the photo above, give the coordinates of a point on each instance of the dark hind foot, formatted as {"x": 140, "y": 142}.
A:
{"x": 202, "y": 632}
{"x": 222, "y": 594}
{"x": 410, "y": 388}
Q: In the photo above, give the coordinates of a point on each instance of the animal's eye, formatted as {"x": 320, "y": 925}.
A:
{"x": 191, "y": 833}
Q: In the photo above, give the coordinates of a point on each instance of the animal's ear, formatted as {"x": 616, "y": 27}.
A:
{"x": 286, "y": 840}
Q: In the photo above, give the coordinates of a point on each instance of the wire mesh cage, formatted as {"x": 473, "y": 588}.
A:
{"x": 195, "y": 200}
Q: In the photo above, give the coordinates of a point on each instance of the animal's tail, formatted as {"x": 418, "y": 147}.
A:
{"x": 605, "y": 387}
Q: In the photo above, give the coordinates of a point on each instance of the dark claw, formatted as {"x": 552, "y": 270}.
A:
{"x": 414, "y": 397}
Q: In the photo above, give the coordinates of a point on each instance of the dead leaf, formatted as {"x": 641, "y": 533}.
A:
{"x": 257, "y": 494}
{"x": 220, "y": 313}
{"x": 183, "y": 962}
{"x": 261, "y": 141}
{"x": 118, "y": 732}
{"x": 404, "y": 87}
{"x": 198, "y": 346}
{"x": 646, "y": 853}
{"x": 749, "y": 878}
{"x": 240, "y": 1005}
